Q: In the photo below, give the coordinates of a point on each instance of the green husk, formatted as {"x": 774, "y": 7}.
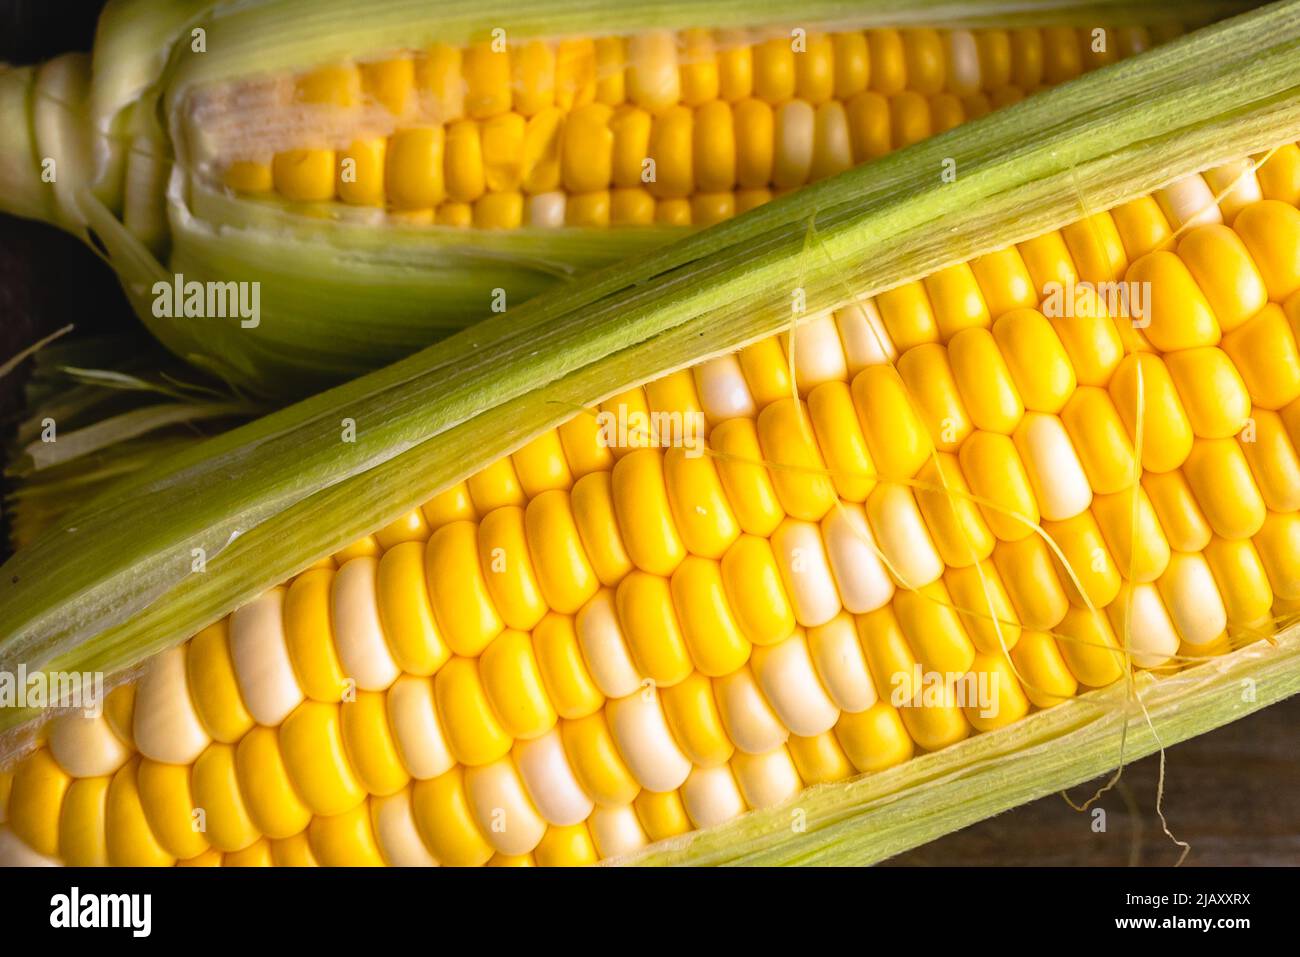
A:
{"x": 113, "y": 583}
{"x": 342, "y": 299}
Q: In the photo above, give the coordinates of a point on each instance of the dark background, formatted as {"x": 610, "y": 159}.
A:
{"x": 1231, "y": 794}
{"x": 48, "y": 278}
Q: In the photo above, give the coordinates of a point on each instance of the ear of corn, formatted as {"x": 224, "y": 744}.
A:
{"x": 725, "y": 118}
{"x": 666, "y": 521}
{"x": 367, "y": 143}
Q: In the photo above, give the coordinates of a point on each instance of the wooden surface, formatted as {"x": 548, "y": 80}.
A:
{"x": 1231, "y": 794}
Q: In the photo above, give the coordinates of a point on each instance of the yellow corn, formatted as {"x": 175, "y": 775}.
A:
{"x": 806, "y": 562}
{"x": 700, "y": 124}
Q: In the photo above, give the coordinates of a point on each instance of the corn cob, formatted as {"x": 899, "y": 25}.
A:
{"x": 627, "y": 630}
{"x": 275, "y": 136}
{"x": 676, "y": 128}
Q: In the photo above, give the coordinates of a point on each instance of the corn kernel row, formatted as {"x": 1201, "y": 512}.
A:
{"x": 591, "y": 645}
{"x": 694, "y": 128}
